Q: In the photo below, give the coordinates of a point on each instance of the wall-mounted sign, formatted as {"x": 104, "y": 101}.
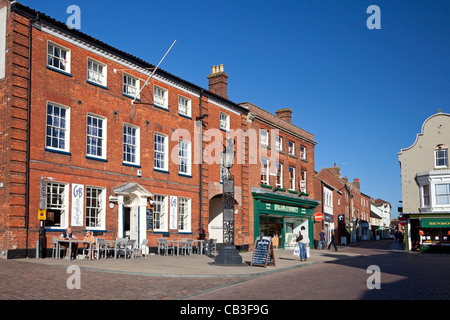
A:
{"x": 77, "y": 205}
{"x": 43, "y": 194}
{"x": 173, "y": 212}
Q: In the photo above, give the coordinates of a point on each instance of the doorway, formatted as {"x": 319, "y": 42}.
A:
{"x": 215, "y": 224}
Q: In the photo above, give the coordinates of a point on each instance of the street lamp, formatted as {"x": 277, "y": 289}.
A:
{"x": 228, "y": 254}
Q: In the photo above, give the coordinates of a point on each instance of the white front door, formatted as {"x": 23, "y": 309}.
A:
{"x": 131, "y": 222}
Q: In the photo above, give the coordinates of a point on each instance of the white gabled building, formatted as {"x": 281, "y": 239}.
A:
{"x": 382, "y": 209}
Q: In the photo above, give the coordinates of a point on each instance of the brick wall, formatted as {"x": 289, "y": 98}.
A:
{"x": 74, "y": 92}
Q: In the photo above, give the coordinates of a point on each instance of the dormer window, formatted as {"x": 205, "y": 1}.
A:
{"x": 441, "y": 157}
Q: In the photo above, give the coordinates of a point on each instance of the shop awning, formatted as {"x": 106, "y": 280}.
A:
{"x": 435, "y": 223}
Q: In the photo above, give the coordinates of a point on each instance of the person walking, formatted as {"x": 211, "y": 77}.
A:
{"x": 332, "y": 242}
{"x": 303, "y": 242}
{"x": 322, "y": 237}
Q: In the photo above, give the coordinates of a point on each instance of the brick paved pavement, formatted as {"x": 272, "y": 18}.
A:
{"x": 22, "y": 280}
{"x": 154, "y": 278}
{"x": 410, "y": 276}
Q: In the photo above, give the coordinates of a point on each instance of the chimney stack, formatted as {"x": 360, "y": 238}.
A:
{"x": 285, "y": 114}
{"x": 218, "y": 81}
{"x": 356, "y": 183}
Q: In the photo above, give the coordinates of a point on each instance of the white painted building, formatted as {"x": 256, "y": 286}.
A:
{"x": 382, "y": 209}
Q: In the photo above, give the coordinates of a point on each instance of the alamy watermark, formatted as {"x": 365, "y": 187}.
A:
{"x": 374, "y": 280}
{"x": 74, "y": 20}
{"x": 374, "y": 21}
{"x": 74, "y": 280}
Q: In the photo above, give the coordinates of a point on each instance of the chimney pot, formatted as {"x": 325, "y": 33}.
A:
{"x": 218, "y": 81}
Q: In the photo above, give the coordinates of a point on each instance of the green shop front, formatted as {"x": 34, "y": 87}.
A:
{"x": 280, "y": 216}
{"x": 427, "y": 231}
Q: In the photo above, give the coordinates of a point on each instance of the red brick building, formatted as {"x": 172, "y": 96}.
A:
{"x": 345, "y": 209}
{"x": 86, "y": 137}
{"x": 114, "y": 155}
{"x": 280, "y": 176}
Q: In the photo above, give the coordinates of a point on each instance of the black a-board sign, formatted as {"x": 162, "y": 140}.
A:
{"x": 263, "y": 254}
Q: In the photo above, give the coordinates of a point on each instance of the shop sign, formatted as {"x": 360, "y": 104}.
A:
{"x": 435, "y": 223}
{"x": 282, "y": 207}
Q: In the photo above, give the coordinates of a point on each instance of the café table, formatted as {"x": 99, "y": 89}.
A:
{"x": 177, "y": 242}
{"x": 70, "y": 241}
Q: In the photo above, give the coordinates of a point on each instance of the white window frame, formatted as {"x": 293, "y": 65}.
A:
{"x": 303, "y": 181}
{"x": 291, "y": 147}
{"x": 161, "y": 213}
{"x": 184, "y": 106}
{"x": 161, "y": 152}
{"x": 56, "y": 125}
{"x": 100, "y": 208}
{"x": 51, "y": 56}
{"x": 265, "y": 165}
{"x": 131, "y": 89}
{"x": 91, "y": 133}
{"x": 60, "y": 203}
{"x": 224, "y": 120}
{"x": 264, "y": 137}
{"x": 127, "y": 142}
{"x": 186, "y": 155}
{"x": 292, "y": 178}
{"x": 327, "y": 200}
{"x": 303, "y": 152}
{"x": 184, "y": 214}
{"x": 426, "y": 196}
{"x": 279, "y": 180}
{"x": 93, "y": 75}
{"x": 160, "y": 97}
{"x": 446, "y": 194}
{"x": 279, "y": 143}
{"x": 438, "y": 157}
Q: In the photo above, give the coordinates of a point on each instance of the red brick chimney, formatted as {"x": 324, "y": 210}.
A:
{"x": 356, "y": 183}
{"x": 218, "y": 81}
{"x": 285, "y": 114}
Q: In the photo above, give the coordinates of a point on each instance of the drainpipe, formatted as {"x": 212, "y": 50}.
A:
{"x": 201, "y": 163}
{"x": 27, "y": 182}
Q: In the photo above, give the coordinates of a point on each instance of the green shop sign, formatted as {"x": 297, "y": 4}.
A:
{"x": 284, "y": 208}
{"x": 283, "y": 205}
{"x": 434, "y": 223}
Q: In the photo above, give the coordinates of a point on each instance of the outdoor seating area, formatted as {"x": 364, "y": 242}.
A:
{"x": 129, "y": 249}
{"x": 186, "y": 246}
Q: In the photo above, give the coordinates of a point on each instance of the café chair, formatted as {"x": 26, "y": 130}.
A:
{"x": 125, "y": 247}
{"x": 55, "y": 248}
{"x": 142, "y": 248}
{"x": 187, "y": 246}
{"x": 163, "y": 245}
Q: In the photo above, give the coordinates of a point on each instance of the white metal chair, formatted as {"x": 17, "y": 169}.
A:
{"x": 163, "y": 245}
{"x": 142, "y": 248}
{"x": 122, "y": 247}
{"x": 102, "y": 247}
{"x": 55, "y": 254}
{"x": 187, "y": 246}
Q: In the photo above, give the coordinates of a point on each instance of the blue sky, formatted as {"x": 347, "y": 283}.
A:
{"x": 363, "y": 93}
